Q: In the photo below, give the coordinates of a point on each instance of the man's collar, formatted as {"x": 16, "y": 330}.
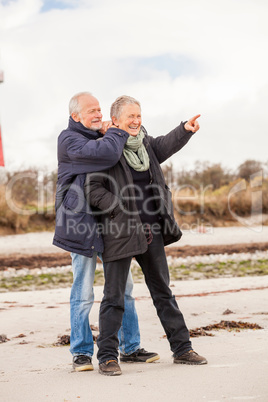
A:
{"x": 78, "y": 126}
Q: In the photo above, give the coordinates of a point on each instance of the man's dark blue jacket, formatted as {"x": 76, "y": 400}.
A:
{"x": 81, "y": 151}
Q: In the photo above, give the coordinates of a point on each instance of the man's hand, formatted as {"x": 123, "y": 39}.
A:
{"x": 105, "y": 126}
{"x": 192, "y": 124}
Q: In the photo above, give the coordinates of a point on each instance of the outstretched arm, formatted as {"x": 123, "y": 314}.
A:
{"x": 166, "y": 145}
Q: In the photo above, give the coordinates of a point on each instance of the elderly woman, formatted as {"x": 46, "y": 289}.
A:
{"x": 136, "y": 220}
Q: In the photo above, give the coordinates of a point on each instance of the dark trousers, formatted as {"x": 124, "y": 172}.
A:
{"x": 155, "y": 269}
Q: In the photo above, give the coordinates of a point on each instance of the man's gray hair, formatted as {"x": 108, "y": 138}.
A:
{"x": 74, "y": 105}
{"x": 119, "y": 103}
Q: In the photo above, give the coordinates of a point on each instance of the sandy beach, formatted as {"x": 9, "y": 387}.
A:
{"x": 33, "y": 369}
{"x": 37, "y": 243}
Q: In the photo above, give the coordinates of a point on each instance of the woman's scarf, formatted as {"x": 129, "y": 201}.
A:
{"x": 136, "y": 154}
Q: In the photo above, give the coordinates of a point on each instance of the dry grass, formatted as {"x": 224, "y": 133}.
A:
{"x": 12, "y": 222}
{"x": 191, "y": 206}
{"x": 221, "y": 207}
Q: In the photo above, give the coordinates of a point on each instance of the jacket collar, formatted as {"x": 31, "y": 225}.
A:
{"x": 79, "y": 128}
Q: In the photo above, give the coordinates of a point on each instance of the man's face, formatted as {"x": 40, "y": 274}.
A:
{"x": 130, "y": 119}
{"x": 90, "y": 113}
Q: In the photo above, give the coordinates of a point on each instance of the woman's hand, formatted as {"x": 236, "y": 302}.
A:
{"x": 192, "y": 124}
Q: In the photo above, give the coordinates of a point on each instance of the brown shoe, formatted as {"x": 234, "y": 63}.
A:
{"x": 110, "y": 367}
{"x": 190, "y": 357}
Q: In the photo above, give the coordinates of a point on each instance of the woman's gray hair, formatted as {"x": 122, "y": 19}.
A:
{"x": 74, "y": 105}
{"x": 119, "y": 103}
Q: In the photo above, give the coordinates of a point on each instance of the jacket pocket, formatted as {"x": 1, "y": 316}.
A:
{"x": 76, "y": 227}
{"x": 76, "y": 204}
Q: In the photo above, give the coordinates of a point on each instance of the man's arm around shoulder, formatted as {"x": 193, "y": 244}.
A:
{"x": 96, "y": 154}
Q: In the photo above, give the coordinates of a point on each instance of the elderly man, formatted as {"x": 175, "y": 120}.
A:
{"x": 83, "y": 149}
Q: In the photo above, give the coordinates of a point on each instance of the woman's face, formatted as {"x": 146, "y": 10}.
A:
{"x": 130, "y": 119}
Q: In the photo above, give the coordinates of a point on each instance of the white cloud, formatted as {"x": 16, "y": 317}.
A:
{"x": 126, "y": 47}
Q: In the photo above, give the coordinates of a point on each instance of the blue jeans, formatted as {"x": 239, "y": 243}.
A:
{"x": 81, "y": 301}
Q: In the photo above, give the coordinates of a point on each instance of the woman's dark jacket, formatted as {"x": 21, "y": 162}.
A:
{"x": 81, "y": 151}
{"x": 112, "y": 194}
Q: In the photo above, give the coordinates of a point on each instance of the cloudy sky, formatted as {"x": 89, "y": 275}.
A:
{"x": 178, "y": 57}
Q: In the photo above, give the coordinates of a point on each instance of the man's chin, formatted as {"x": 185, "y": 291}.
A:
{"x": 95, "y": 128}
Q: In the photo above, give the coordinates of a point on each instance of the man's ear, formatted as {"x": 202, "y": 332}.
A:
{"x": 75, "y": 117}
{"x": 115, "y": 121}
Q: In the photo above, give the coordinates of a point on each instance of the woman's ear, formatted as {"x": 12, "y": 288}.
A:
{"x": 115, "y": 121}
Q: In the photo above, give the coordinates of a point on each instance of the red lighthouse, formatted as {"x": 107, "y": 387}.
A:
{"x": 1, "y": 146}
